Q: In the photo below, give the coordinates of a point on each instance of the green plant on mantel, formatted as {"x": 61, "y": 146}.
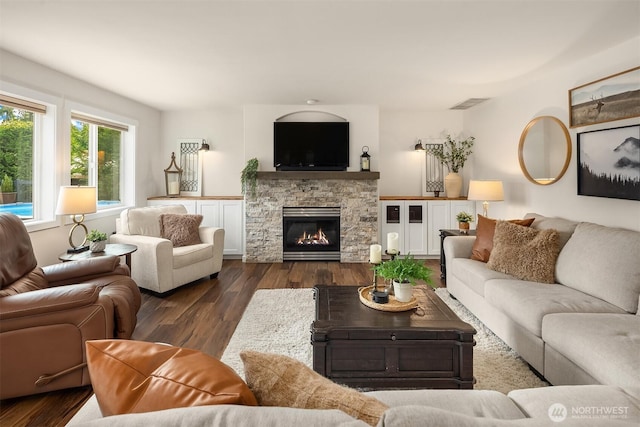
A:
{"x": 249, "y": 176}
{"x": 404, "y": 270}
{"x": 453, "y": 154}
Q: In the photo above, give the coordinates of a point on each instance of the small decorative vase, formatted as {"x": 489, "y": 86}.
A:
{"x": 453, "y": 185}
{"x": 98, "y": 246}
{"x": 402, "y": 291}
{"x": 463, "y": 227}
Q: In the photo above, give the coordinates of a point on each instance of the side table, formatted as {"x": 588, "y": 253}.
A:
{"x": 444, "y": 234}
{"x": 117, "y": 249}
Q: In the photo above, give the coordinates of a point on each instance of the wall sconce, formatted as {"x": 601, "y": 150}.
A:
{"x": 419, "y": 146}
{"x": 76, "y": 201}
{"x": 205, "y": 146}
{"x": 172, "y": 177}
{"x": 486, "y": 191}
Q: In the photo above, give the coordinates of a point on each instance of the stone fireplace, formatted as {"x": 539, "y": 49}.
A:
{"x": 354, "y": 195}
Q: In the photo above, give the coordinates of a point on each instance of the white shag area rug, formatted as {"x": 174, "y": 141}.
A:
{"x": 279, "y": 321}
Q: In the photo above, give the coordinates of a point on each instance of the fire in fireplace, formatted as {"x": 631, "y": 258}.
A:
{"x": 318, "y": 238}
{"x": 311, "y": 233}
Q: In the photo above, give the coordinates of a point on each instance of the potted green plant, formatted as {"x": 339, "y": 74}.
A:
{"x": 404, "y": 272}
{"x": 453, "y": 154}
{"x": 464, "y": 219}
{"x": 98, "y": 240}
{"x": 249, "y": 176}
{"x": 6, "y": 188}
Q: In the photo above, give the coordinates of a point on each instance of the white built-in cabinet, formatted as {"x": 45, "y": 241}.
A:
{"x": 223, "y": 213}
{"x": 418, "y": 223}
{"x": 409, "y": 220}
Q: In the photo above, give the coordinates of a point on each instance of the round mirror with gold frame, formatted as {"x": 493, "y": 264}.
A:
{"x": 544, "y": 151}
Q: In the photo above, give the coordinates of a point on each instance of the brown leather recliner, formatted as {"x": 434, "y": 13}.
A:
{"x": 47, "y": 314}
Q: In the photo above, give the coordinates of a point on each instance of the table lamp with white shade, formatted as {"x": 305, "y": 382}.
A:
{"x": 76, "y": 201}
{"x": 487, "y": 191}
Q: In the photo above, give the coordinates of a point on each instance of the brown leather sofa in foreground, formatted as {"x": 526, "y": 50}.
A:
{"x": 47, "y": 314}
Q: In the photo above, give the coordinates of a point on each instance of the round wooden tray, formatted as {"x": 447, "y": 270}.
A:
{"x": 392, "y": 305}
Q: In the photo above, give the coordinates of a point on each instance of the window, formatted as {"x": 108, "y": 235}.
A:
{"x": 21, "y": 141}
{"x": 96, "y": 153}
{"x": 101, "y": 153}
{"x": 39, "y": 152}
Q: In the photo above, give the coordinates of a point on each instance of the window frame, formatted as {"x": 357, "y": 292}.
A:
{"x": 52, "y": 140}
{"x": 45, "y": 182}
{"x": 75, "y": 110}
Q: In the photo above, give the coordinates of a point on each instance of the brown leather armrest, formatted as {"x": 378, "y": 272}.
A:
{"x": 80, "y": 271}
{"x": 48, "y": 300}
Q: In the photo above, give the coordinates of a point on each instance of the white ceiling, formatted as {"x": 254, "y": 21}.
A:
{"x": 200, "y": 54}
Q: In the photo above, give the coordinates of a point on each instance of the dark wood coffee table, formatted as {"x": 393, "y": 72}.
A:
{"x": 427, "y": 347}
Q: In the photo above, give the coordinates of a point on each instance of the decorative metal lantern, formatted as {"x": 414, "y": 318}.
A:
{"x": 365, "y": 160}
{"x": 172, "y": 177}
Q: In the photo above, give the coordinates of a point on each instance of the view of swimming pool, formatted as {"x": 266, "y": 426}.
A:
{"x": 25, "y": 210}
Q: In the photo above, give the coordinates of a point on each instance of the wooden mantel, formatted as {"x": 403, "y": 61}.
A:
{"x": 318, "y": 175}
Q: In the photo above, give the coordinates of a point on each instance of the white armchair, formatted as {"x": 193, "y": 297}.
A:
{"x": 159, "y": 266}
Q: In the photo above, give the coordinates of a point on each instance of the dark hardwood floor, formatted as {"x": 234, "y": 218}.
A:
{"x": 202, "y": 315}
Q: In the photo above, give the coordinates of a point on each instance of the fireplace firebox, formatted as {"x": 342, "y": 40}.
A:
{"x": 311, "y": 233}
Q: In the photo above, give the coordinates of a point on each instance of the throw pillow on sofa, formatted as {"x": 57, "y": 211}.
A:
{"x": 485, "y": 230}
{"x": 524, "y": 252}
{"x": 278, "y": 380}
{"x": 181, "y": 229}
{"x": 136, "y": 376}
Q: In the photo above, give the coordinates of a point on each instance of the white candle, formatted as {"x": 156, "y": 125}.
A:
{"x": 392, "y": 242}
{"x": 375, "y": 254}
{"x": 174, "y": 188}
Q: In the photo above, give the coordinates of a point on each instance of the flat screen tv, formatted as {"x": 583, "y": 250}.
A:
{"x": 321, "y": 146}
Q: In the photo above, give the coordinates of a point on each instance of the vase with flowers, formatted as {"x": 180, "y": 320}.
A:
{"x": 453, "y": 154}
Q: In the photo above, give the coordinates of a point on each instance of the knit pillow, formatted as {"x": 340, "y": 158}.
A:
{"x": 181, "y": 229}
{"x": 524, "y": 252}
{"x": 278, "y": 380}
{"x": 484, "y": 236}
{"x": 136, "y": 376}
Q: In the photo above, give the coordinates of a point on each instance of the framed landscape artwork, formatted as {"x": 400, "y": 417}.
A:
{"x": 609, "y": 163}
{"x": 611, "y": 98}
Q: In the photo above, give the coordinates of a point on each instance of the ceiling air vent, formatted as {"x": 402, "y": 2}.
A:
{"x": 464, "y": 105}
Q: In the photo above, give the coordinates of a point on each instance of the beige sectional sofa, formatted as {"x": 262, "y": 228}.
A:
{"x": 548, "y": 406}
{"x": 585, "y": 328}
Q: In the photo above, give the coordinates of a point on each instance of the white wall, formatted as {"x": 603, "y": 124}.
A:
{"x": 223, "y": 131}
{"x": 19, "y": 71}
{"x": 400, "y": 164}
{"x": 237, "y": 135}
{"x": 258, "y": 131}
{"x": 498, "y": 124}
